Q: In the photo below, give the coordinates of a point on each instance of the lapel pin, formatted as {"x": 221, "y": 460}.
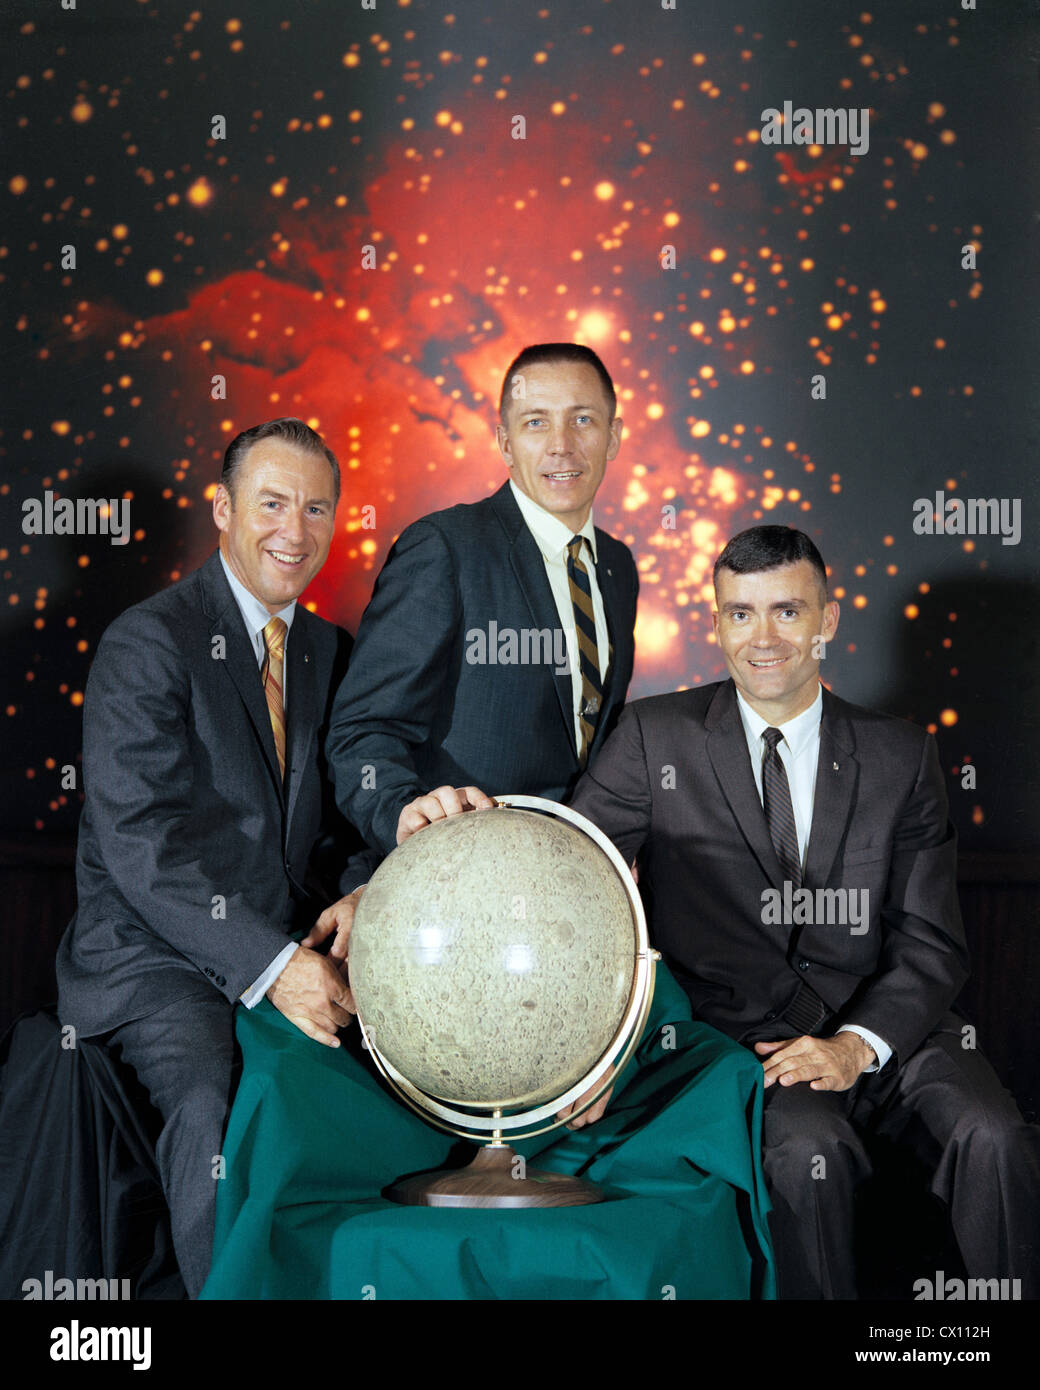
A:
{"x": 835, "y": 766}
{"x": 306, "y": 657}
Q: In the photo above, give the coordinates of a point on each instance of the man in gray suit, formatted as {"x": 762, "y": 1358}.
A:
{"x": 800, "y": 878}
{"x": 205, "y": 799}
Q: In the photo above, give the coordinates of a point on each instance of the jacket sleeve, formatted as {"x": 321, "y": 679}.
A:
{"x": 163, "y": 858}
{"x": 615, "y": 793}
{"x": 924, "y": 959}
{"x": 340, "y": 861}
{"x": 385, "y": 709}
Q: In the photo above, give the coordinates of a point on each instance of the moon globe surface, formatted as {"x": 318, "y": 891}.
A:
{"x": 492, "y": 958}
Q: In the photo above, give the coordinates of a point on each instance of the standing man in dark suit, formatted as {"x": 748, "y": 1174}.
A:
{"x": 204, "y": 721}
{"x": 745, "y": 799}
{"x": 497, "y": 648}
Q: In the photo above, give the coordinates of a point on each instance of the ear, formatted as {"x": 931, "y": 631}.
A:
{"x": 715, "y": 622}
{"x": 502, "y": 439}
{"x": 222, "y": 508}
{"x": 831, "y": 613}
{"x": 616, "y": 426}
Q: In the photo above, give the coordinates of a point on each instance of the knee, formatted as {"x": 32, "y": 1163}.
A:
{"x": 996, "y": 1135}
{"x": 818, "y": 1148}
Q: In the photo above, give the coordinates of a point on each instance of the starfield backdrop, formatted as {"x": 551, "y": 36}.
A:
{"x": 220, "y": 171}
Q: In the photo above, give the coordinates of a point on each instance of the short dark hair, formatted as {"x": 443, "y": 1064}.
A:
{"x": 767, "y": 548}
{"x": 293, "y": 431}
{"x": 555, "y": 352}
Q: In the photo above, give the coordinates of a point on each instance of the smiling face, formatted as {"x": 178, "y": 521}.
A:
{"x": 276, "y": 536}
{"x": 767, "y": 625}
{"x": 559, "y": 438}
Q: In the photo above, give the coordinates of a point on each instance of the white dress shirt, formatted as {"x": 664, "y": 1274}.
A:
{"x": 799, "y": 751}
{"x": 256, "y": 617}
{"x": 552, "y": 537}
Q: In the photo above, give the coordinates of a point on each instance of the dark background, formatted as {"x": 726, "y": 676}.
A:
{"x": 241, "y": 257}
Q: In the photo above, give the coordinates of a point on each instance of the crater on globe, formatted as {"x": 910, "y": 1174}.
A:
{"x": 500, "y": 966}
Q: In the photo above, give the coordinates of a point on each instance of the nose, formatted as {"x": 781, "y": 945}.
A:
{"x": 292, "y": 527}
{"x": 765, "y": 634}
{"x": 559, "y": 439}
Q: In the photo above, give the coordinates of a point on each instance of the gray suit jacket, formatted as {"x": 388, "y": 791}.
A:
{"x": 674, "y": 785}
{"x": 193, "y": 863}
{"x": 414, "y": 713}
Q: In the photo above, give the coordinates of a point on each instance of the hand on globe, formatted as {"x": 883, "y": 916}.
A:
{"x": 338, "y": 918}
{"x": 437, "y": 805}
{"x": 595, "y": 1112}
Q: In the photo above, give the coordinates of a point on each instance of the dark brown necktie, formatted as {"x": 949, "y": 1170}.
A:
{"x": 776, "y": 800}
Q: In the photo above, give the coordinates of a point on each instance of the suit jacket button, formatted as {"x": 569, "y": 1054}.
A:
{"x": 803, "y": 964}
{"x": 220, "y": 980}
{"x": 209, "y": 972}
{"x": 770, "y": 1015}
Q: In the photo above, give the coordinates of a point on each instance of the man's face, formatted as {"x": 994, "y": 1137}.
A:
{"x": 559, "y": 438}
{"x": 767, "y": 625}
{"x": 276, "y": 536}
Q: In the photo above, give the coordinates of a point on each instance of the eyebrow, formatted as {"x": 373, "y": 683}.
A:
{"x": 545, "y": 410}
{"x": 780, "y": 603}
{"x": 285, "y": 497}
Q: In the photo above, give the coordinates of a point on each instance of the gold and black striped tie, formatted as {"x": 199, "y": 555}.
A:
{"x": 588, "y": 651}
{"x": 272, "y": 678}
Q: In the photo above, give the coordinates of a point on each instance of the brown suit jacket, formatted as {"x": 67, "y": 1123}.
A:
{"x": 673, "y": 784}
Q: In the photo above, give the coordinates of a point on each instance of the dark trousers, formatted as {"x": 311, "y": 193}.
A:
{"x": 947, "y": 1106}
{"x": 185, "y": 1058}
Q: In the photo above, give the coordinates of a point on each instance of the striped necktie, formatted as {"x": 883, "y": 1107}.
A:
{"x": 271, "y": 676}
{"x": 588, "y": 651}
{"x": 776, "y": 801}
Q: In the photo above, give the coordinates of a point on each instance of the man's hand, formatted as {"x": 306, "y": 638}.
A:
{"x": 338, "y": 918}
{"x": 437, "y": 805}
{"x": 596, "y": 1112}
{"x": 311, "y": 993}
{"x": 828, "y": 1064}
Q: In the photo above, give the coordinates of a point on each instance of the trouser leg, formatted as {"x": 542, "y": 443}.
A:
{"x": 813, "y": 1160}
{"x": 947, "y": 1105}
{"x": 183, "y": 1055}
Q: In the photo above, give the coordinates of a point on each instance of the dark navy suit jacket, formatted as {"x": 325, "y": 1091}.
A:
{"x": 193, "y": 862}
{"x": 414, "y": 713}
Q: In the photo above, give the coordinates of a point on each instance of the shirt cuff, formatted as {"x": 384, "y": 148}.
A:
{"x": 881, "y": 1048}
{"x": 256, "y": 991}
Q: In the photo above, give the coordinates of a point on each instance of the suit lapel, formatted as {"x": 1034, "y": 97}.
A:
{"x": 239, "y": 660}
{"x": 301, "y": 707}
{"x": 614, "y": 597}
{"x": 728, "y": 752}
{"x": 529, "y": 569}
{"x": 835, "y": 785}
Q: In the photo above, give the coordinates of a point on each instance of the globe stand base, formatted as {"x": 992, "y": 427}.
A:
{"x": 492, "y": 1180}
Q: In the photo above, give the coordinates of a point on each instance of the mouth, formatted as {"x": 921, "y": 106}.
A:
{"x": 285, "y": 560}
{"x": 563, "y": 476}
{"x": 767, "y": 665}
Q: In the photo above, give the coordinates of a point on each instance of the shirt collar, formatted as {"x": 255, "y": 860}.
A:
{"x": 798, "y": 732}
{"x": 551, "y": 535}
{"x": 254, "y": 614}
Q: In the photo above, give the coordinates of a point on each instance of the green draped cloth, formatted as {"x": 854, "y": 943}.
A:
{"x": 314, "y": 1136}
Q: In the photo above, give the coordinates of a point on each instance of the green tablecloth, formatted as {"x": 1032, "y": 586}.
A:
{"x": 314, "y": 1136}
